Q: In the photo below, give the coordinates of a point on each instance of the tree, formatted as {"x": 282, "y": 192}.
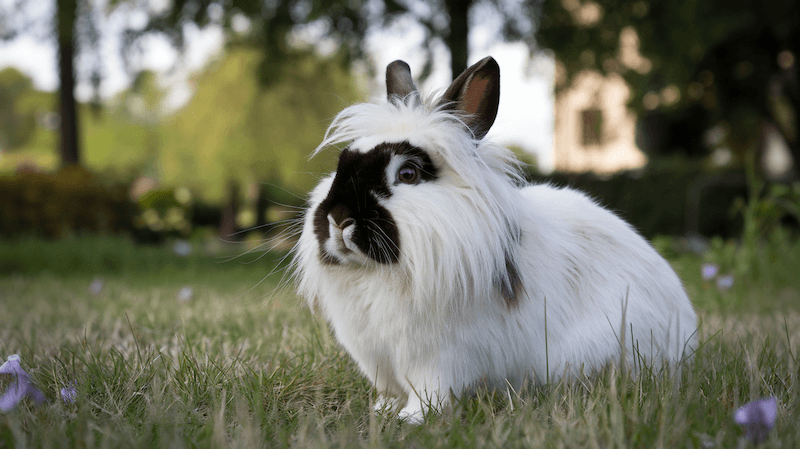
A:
{"x": 13, "y": 22}
{"x": 17, "y": 122}
{"x": 75, "y": 29}
{"x": 347, "y": 23}
{"x": 236, "y": 130}
{"x": 66, "y": 21}
{"x": 731, "y": 61}
{"x": 271, "y": 25}
{"x": 449, "y": 22}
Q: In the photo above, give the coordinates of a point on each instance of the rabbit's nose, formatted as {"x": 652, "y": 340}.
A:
{"x": 339, "y": 217}
{"x": 343, "y": 224}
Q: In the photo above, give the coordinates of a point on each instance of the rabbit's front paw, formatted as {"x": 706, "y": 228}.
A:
{"x": 413, "y": 417}
{"x": 387, "y": 404}
{"x": 412, "y": 412}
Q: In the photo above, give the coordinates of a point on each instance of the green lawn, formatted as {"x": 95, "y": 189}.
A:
{"x": 242, "y": 363}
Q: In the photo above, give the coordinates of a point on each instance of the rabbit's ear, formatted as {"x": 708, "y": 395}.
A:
{"x": 398, "y": 81}
{"x": 476, "y": 92}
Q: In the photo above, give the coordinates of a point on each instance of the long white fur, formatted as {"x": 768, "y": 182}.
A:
{"x": 436, "y": 323}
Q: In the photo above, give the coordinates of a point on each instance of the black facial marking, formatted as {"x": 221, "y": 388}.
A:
{"x": 428, "y": 171}
{"x": 510, "y": 284}
{"x": 353, "y": 199}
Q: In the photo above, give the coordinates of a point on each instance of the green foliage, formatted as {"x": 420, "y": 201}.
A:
{"x": 17, "y": 122}
{"x": 701, "y": 62}
{"x": 114, "y": 142}
{"x": 765, "y": 256}
{"x": 60, "y": 204}
{"x": 233, "y": 129}
{"x": 272, "y": 27}
{"x": 655, "y": 201}
{"x": 164, "y": 213}
{"x": 242, "y": 364}
{"x": 765, "y": 211}
{"x": 763, "y": 276}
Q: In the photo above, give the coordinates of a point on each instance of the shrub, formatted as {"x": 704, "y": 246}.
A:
{"x": 665, "y": 201}
{"x": 59, "y": 204}
{"x": 163, "y": 213}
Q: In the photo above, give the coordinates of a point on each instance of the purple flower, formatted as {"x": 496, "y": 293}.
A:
{"x": 96, "y": 286}
{"x": 185, "y": 294}
{"x": 757, "y": 418}
{"x": 725, "y": 282}
{"x": 182, "y": 248}
{"x": 709, "y": 271}
{"x": 19, "y": 387}
{"x": 69, "y": 393}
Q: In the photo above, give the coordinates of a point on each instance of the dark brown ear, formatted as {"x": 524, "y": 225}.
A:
{"x": 476, "y": 93}
{"x": 398, "y": 80}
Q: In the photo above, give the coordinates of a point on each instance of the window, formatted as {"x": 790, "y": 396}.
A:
{"x": 592, "y": 127}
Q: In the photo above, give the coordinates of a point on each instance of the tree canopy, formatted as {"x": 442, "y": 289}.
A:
{"x": 690, "y": 63}
{"x": 75, "y": 28}
{"x": 233, "y": 129}
{"x": 17, "y": 118}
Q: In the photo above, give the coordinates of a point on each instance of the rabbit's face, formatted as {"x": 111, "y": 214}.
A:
{"x": 419, "y": 198}
{"x": 353, "y": 223}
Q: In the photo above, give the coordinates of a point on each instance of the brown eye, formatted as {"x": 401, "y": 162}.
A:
{"x": 408, "y": 173}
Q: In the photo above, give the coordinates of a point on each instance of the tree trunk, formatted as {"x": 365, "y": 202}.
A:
{"x": 66, "y": 16}
{"x": 458, "y": 38}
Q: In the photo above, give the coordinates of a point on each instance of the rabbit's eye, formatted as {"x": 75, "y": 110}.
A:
{"x": 408, "y": 173}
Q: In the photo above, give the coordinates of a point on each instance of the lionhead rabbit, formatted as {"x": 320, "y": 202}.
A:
{"x": 439, "y": 271}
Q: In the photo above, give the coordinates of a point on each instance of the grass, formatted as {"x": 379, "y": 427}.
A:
{"x": 243, "y": 364}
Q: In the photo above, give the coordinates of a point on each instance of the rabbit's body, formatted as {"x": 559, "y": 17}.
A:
{"x": 447, "y": 281}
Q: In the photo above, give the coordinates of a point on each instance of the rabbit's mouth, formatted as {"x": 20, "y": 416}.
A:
{"x": 348, "y": 243}
{"x": 340, "y": 238}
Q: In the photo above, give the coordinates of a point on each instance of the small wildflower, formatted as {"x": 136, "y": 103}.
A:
{"x": 725, "y": 282}
{"x": 757, "y": 418}
{"x": 185, "y": 294}
{"x": 182, "y": 248}
{"x": 96, "y": 286}
{"x": 19, "y": 387}
{"x": 69, "y": 393}
{"x": 709, "y": 271}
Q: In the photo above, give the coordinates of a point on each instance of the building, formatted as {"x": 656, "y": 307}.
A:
{"x": 594, "y": 130}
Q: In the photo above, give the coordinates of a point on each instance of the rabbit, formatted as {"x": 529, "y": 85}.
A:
{"x": 439, "y": 270}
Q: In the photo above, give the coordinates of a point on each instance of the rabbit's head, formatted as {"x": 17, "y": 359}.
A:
{"x": 418, "y": 192}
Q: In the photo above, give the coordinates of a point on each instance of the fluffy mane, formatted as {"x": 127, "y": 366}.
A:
{"x": 481, "y": 199}
{"x": 392, "y": 120}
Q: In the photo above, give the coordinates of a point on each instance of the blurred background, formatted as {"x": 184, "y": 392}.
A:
{"x": 154, "y": 158}
{"x": 191, "y": 121}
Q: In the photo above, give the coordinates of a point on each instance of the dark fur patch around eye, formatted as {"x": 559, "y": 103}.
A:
{"x": 359, "y": 182}
{"x": 428, "y": 171}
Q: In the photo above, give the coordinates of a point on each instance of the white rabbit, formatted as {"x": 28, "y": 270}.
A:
{"x": 439, "y": 271}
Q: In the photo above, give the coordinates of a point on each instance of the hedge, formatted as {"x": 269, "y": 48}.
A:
{"x": 664, "y": 202}
{"x": 70, "y": 201}
{"x": 656, "y": 202}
